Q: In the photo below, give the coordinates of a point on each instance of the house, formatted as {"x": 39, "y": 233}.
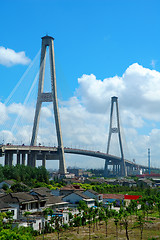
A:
{"x": 127, "y": 182}
{"x": 96, "y": 181}
{"x": 5, "y": 207}
{"x": 23, "y": 202}
{"x": 128, "y": 198}
{"x": 9, "y": 183}
{"x": 41, "y": 191}
{"x": 34, "y": 221}
{"x": 70, "y": 189}
{"x": 76, "y": 180}
{"x": 112, "y": 181}
{"x": 74, "y": 198}
{"x": 93, "y": 194}
{"x": 62, "y": 215}
{"x": 53, "y": 202}
{"x": 145, "y": 182}
{"x": 78, "y": 172}
{"x": 56, "y": 202}
{"x": 111, "y": 198}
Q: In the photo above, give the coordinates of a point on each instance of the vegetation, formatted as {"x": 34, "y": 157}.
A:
{"x": 23, "y": 173}
{"x": 7, "y": 233}
{"x": 130, "y": 222}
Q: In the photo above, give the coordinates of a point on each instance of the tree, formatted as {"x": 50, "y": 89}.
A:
{"x": 116, "y": 221}
{"x": 140, "y": 223}
{"x": 8, "y": 234}
{"x": 70, "y": 219}
{"x": 58, "y": 224}
{"x": 89, "y": 220}
{"x": 2, "y": 216}
{"x": 108, "y": 214}
{"x": 18, "y": 187}
{"x": 77, "y": 222}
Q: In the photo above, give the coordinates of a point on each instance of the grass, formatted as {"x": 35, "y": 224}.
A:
{"x": 151, "y": 231}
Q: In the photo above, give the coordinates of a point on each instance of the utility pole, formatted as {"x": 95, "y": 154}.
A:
{"x": 149, "y": 161}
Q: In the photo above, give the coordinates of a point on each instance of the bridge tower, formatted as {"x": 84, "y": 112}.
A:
{"x": 47, "y": 41}
{"x": 115, "y": 130}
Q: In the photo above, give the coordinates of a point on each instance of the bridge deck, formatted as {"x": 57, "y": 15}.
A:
{"x": 52, "y": 153}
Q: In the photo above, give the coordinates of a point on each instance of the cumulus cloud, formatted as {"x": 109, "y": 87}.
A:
{"x": 8, "y": 57}
{"x": 85, "y": 116}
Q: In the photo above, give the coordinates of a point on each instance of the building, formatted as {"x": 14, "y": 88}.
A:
{"x": 74, "y": 198}
{"x": 111, "y": 198}
{"x": 70, "y": 189}
{"x": 78, "y": 172}
{"x": 93, "y": 194}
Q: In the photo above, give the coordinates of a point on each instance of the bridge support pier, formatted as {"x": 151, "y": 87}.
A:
{"x": 118, "y": 170}
{"x": 28, "y": 159}
{"x": 44, "y": 160}
{"x": 33, "y": 160}
{"x": 114, "y": 170}
{"x": 10, "y": 159}
{"x": 18, "y": 158}
{"x": 106, "y": 172}
{"x": 6, "y": 159}
{"x": 23, "y": 158}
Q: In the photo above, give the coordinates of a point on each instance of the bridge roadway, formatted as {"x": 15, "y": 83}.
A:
{"x": 51, "y": 153}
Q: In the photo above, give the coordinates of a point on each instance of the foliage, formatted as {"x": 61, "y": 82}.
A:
{"x": 19, "y": 187}
{"x": 25, "y": 174}
{"x": 8, "y": 234}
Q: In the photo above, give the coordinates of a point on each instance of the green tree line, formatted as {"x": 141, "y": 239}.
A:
{"x": 25, "y": 174}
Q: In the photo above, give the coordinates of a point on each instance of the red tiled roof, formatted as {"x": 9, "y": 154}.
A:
{"x": 132, "y": 197}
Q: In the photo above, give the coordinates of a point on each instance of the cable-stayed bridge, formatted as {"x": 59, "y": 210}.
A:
{"x": 30, "y": 154}
{"x": 44, "y": 153}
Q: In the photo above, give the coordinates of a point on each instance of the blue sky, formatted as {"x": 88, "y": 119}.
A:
{"x": 100, "y": 37}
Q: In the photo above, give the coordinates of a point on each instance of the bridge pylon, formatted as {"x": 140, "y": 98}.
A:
{"x": 118, "y": 169}
{"x": 47, "y": 41}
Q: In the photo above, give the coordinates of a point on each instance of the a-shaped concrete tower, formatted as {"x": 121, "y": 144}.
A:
{"x": 47, "y": 41}
{"x": 116, "y": 130}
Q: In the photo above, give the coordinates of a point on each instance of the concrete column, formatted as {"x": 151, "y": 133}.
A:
{"x": 113, "y": 169}
{"x": 18, "y": 158}
{"x": 10, "y": 159}
{"x": 6, "y": 160}
{"x": 44, "y": 161}
{"x": 28, "y": 159}
{"x": 33, "y": 159}
{"x": 106, "y": 169}
{"x": 116, "y": 169}
{"x": 23, "y": 158}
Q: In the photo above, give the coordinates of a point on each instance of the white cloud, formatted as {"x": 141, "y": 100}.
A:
{"x": 85, "y": 116}
{"x": 8, "y": 57}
